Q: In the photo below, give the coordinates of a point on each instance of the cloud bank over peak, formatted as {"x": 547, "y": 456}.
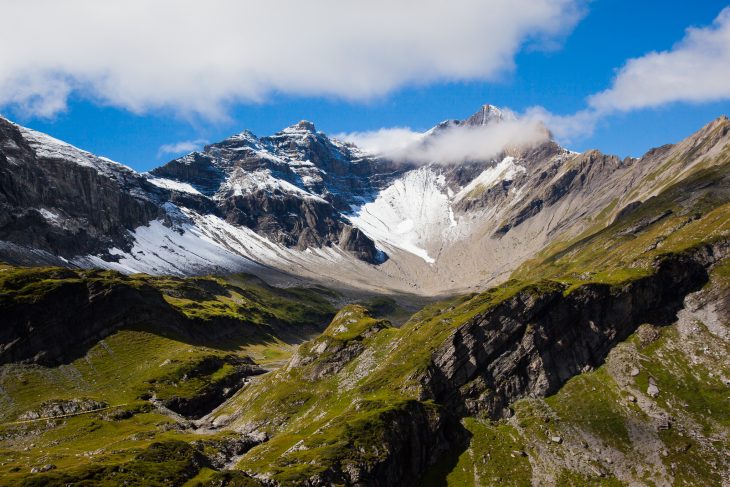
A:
{"x": 197, "y": 57}
{"x": 450, "y": 143}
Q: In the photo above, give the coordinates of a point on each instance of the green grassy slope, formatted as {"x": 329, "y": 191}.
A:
{"x": 220, "y": 323}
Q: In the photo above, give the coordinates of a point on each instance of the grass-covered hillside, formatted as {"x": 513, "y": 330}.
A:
{"x": 123, "y": 362}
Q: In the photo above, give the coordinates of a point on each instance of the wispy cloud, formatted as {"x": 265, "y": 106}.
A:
{"x": 565, "y": 128}
{"x": 196, "y": 57}
{"x": 182, "y": 147}
{"x": 453, "y": 144}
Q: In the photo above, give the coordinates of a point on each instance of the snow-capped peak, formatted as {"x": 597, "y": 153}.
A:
{"x": 488, "y": 114}
{"x": 245, "y": 136}
{"x": 445, "y": 125}
{"x": 303, "y": 126}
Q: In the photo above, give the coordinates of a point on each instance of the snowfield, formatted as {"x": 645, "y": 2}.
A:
{"x": 409, "y": 213}
{"x": 415, "y": 212}
{"x": 173, "y": 185}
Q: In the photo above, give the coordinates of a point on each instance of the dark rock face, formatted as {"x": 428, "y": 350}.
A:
{"x": 417, "y": 436}
{"x": 67, "y": 209}
{"x": 353, "y": 240}
{"x": 534, "y": 342}
{"x": 73, "y": 317}
{"x": 285, "y": 219}
{"x": 199, "y": 168}
{"x": 413, "y": 436}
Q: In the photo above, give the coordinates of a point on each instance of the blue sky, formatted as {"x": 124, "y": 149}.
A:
{"x": 584, "y": 61}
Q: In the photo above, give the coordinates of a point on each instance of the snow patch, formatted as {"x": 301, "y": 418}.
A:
{"x": 51, "y": 216}
{"x": 409, "y": 213}
{"x": 173, "y": 185}
{"x": 242, "y": 182}
{"x": 48, "y": 147}
{"x": 203, "y": 243}
{"x": 159, "y": 249}
{"x": 506, "y": 170}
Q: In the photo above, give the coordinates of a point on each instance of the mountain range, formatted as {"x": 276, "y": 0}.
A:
{"x": 299, "y": 204}
{"x": 293, "y": 309}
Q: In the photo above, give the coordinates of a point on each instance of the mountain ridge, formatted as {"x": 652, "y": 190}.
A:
{"x": 300, "y": 203}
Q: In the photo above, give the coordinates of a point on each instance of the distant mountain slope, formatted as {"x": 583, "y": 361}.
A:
{"x": 301, "y": 205}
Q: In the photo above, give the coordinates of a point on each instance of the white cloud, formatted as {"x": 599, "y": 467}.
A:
{"x": 565, "y": 127}
{"x": 182, "y": 147}
{"x": 697, "y": 69}
{"x": 454, "y": 144}
{"x": 385, "y": 141}
{"x": 195, "y": 57}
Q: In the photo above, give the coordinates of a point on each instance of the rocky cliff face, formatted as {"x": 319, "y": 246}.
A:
{"x": 531, "y": 344}
{"x": 413, "y": 437}
{"x": 66, "y": 202}
{"x": 291, "y": 187}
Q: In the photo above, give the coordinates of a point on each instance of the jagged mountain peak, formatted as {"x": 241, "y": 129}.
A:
{"x": 488, "y": 114}
{"x": 244, "y": 136}
{"x": 301, "y": 126}
{"x": 303, "y": 132}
